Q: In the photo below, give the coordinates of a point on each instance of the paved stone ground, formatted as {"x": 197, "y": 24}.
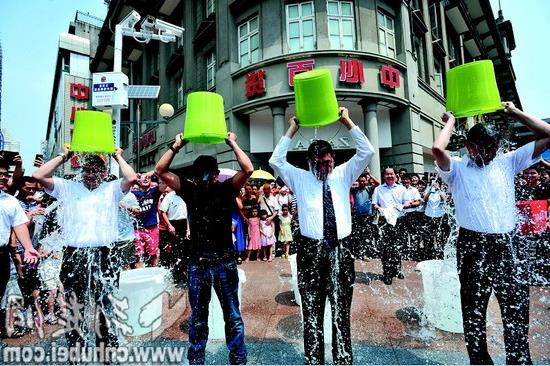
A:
{"x": 385, "y": 322}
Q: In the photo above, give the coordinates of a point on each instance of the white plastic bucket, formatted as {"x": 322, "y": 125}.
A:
{"x": 441, "y": 294}
{"x": 144, "y": 289}
{"x": 216, "y": 324}
{"x": 327, "y": 321}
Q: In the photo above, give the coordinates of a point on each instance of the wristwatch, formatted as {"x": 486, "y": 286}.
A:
{"x": 63, "y": 156}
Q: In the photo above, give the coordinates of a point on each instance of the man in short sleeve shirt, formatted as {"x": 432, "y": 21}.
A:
{"x": 212, "y": 254}
{"x": 89, "y": 225}
{"x": 489, "y": 256}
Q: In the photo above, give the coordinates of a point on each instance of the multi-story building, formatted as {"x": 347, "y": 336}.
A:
{"x": 388, "y": 59}
{"x": 71, "y": 85}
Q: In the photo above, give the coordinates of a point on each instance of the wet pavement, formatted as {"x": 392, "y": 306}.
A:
{"x": 386, "y": 321}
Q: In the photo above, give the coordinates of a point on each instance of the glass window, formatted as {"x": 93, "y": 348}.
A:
{"x": 209, "y": 7}
{"x": 300, "y": 25}
{"x": 210, "y": 70}
{"x": 434, "y": 20}
{"x": 438, "y": 76}
{"x": 341, "y": 25}
{"x": 181, "y": 99}
{"x": 386, "y": 35}
{"x": 249, "y": 42}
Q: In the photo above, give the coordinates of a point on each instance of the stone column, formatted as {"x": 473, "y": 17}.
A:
{"x": 278, "y": 113}
{"x": 370, "y": 126}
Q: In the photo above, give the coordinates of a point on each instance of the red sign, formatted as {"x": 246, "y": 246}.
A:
{"x": 389, "y": 77}
{"x": 79, "y": 91}
{"x": 74, "y": 109}
{"x": 351, "y": 71}
{"x": 297, "y": 67}
{"x": 147, "y": 139}
{"x": 255, "y": 83}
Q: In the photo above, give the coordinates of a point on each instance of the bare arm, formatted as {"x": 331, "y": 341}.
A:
{"x": 129, "y": 177}
{"x": 538, "y": 126}
{"x": 44, "y": 174}
{"x": 239, "y": 179}
{"x": 161, "y": 169}
{"x": 22, "y": 233}
{"x": 439, "y": 147}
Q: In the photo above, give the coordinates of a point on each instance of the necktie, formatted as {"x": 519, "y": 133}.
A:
{"x": 330, "y": 237}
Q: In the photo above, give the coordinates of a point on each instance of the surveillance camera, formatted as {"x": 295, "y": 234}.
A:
{"x": 168, "y": 29}
{"x": 148, "y": 24}
{"x": 131, "y": 19}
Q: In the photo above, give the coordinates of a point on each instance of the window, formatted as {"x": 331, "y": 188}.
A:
{"x": 300, "y": 26}
{"x": 434, "y": 21}
{"x": 438, "y": 76}
{"x": 386, "y": 35}
{"x": 210, "y": 70}
{"x": 249, "y": 42}
{"x": 209, "y": 7}
{"x": 181, "y": 99}
{"x": 420, "y": 51}
{"x": 341, "y": 27}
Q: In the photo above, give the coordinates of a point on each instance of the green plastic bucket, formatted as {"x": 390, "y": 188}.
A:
{"x": 316, "y": 103}
{"x": 93, "y": 132}
{"x": 205, "y": 119}
{"x": 472, "y": 89}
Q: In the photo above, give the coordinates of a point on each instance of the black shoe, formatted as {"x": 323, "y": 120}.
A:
{"x": 400, "y": 275}
{"x": 387, "y": 280}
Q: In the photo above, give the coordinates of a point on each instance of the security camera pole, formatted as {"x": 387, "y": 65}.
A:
{"x": 151, "y": 28}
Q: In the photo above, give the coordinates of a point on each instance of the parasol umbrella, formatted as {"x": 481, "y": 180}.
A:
{"x": 262, "y": 174}
{"x": 225, "y": 174}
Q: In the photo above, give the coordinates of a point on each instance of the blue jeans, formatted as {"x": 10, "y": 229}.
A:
{"x": 224, "y": 277}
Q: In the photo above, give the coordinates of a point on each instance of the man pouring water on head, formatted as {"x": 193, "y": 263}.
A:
{"x": 489, "y": 256}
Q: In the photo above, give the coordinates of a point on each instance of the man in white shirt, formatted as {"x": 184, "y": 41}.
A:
{"x": 489, "y": 256}
{"x": 89, "y": 224}
{"x": 324, "y": 258}
{"x": 12, "y": 217}
{"x": 389, "y": 199}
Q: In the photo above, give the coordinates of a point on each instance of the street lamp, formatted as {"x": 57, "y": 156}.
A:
{"x": 165, "y": 110}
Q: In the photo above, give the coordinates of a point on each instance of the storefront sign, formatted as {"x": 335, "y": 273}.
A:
{"x": 297, "y": 67}
{"x": 351, "y": 72}
{"x": 255, "y": 83}
{"x": 79, "y": 91}
{"x": 147, "y": 139}
{"x": 342, "y": 142}
{"x": 389, "y": 77}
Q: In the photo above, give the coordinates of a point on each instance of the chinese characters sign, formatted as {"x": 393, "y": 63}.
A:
{"x": 297, "y": 67}
{"x": 255, "y": 83}
{"x": 79, "y": 92}
{"x": 389, "y": 77}
{"x": 351, "y": 72}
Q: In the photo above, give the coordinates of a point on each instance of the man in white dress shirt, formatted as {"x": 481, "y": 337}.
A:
{"x": 489, "y": 256}
{"x": 324, "y": 258}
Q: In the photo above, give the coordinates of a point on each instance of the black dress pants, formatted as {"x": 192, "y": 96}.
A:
{"x": 487, "y": 263}
{"x": 392, "y": 244}
{"x": 321, "y": 273}
{"x": 5, "y": 266}
{"x": 89, "y": 276}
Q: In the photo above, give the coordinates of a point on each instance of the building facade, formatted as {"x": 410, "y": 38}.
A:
{"x": 388, "y": 60}
{"x": 71, "y": 87}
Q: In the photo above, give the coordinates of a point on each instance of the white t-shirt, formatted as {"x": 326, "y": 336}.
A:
{"x": 435, "y": 206}
{"x": 484, "y": 197}
{"x": 272, "y": 202}
{"x": 410, "y": 195}
{"x": 12, "y": 215}
{"x": 89, "y": 218}
{"x": 174, "y": 206}
{"x": 125, "y": 218}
